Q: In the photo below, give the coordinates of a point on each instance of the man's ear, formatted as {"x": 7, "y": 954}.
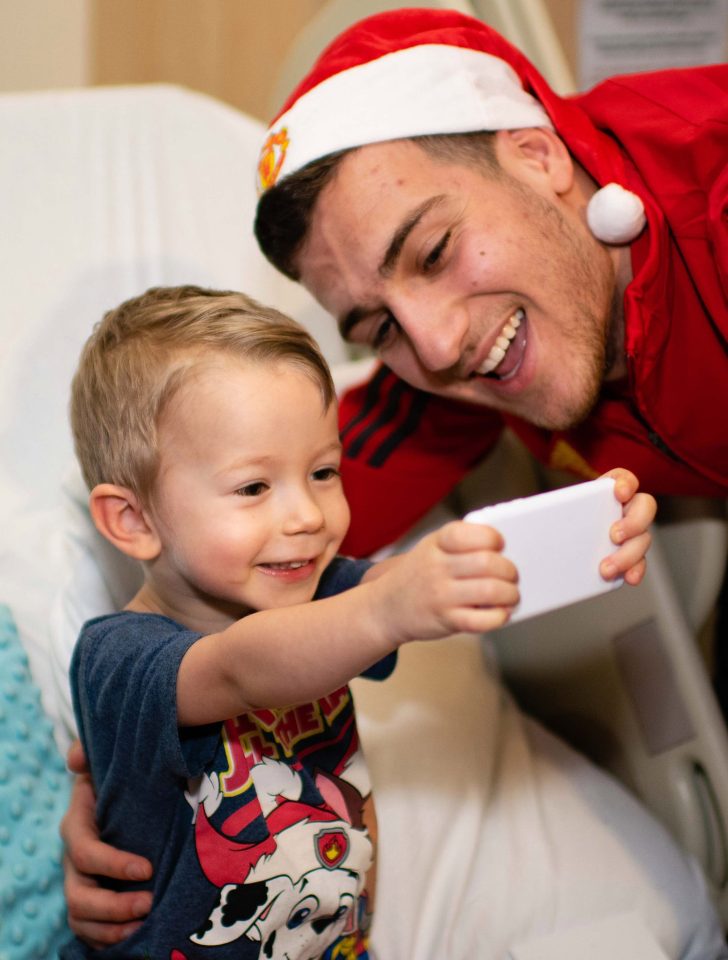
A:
{"x": 536, "y": 152}
{"x": 119, "y": 516}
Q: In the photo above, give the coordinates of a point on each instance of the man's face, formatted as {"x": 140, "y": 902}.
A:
{"x": 483, "y": 288}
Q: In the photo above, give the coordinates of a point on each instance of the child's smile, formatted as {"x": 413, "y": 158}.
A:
{"x": 292, "y": 571}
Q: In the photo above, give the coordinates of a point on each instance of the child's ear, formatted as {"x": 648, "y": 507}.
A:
{"x": 119, "y": 516}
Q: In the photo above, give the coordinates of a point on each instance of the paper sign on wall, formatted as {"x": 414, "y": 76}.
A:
{"x": 631, "y": 36}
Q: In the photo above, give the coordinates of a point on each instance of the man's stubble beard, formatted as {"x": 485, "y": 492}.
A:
{"x": 596, "y": 326}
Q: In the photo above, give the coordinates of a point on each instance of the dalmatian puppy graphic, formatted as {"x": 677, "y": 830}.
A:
{"x": 296, "y": 891}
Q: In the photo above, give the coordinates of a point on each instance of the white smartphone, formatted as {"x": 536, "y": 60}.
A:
{"x": 557, "y": 541}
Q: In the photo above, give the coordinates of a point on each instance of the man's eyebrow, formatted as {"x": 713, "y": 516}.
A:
{"x": 389, "y": 260}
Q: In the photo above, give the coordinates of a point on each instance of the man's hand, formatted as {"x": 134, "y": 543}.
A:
{"x": 631, "y": 532}
{"x": 99, "y": 917}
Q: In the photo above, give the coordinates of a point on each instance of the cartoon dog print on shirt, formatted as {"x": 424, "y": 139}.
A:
{"x": 296, "y": 891}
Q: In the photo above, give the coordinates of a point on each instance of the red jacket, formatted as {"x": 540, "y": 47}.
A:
{"x": 668, "y": 422}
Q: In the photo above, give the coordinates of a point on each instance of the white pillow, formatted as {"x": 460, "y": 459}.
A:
{"x": 97, "y": 579}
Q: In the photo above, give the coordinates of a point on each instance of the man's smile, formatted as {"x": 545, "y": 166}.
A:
{"x": 506, "y": 355}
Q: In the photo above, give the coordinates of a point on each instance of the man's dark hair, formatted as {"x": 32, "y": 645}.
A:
{"x": 285, "y": 211}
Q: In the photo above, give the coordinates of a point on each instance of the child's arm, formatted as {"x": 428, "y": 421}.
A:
{"x": 631, "y": 533}
{"x": 453, "y": 580}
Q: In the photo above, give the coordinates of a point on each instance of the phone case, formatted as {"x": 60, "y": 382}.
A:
{"x": 557, "y": 541}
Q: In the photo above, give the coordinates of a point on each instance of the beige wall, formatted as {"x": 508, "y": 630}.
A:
{"x": 563, "y": 14}
{"x": 44, "y": 44}
{"x": 231, "y": 49}
{"x": 228, "y": 48}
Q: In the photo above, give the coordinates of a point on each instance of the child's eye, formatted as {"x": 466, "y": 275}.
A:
{"x": 432, "y": 258}
{"x": 252, "y": 489}
{"x": 325, "y": 473}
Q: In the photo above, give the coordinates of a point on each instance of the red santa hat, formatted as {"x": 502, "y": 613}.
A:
{"x": 411, "y": 72}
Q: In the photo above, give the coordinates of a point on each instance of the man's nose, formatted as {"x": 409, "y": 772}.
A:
{"x": 302, "y": 513}
{"x": 437, "y": 330}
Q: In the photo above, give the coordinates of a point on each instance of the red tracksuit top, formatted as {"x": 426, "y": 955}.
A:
{"x": 668, "y": 421}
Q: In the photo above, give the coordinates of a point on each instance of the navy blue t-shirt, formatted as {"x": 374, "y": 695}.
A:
{"x": 258, "y": 830}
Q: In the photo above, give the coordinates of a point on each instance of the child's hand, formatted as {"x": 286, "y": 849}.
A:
{"x": 631, "y": 532}
{"x": 454, "y": 580}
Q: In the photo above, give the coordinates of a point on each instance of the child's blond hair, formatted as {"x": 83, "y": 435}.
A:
{"x": 140, "y": 354}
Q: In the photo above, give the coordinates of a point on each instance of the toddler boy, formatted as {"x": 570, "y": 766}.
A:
{"x": 214, "y": 709}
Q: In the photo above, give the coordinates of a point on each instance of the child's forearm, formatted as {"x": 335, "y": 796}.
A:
{"x": 280, "y": 657}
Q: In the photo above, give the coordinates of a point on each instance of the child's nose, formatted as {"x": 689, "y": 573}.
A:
{"x": 303, "y": 515}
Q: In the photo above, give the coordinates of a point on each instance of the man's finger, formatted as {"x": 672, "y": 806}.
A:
{"x": 103, "y": 916}
{"x": 101, "y": 935}
{"x": 95, "y": 858}
{"x": 76, "y": 758}
{"x": 86, "y": 853}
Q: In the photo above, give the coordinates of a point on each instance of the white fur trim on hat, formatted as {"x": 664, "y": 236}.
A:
{"x": 426, "y": 89}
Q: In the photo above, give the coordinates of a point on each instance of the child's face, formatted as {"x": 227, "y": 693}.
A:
{"x": 248, "y": 503}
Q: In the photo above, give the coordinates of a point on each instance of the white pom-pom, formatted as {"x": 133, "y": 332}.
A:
{"x": 615, "y": 215}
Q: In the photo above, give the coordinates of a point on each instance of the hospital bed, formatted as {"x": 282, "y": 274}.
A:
{"x": 106, "y": 192}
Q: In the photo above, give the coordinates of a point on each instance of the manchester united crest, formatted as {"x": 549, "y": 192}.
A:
{"x": 271, "y": 158}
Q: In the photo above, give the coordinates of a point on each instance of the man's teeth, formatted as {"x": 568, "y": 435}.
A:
{"x": 502, "y": 343}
